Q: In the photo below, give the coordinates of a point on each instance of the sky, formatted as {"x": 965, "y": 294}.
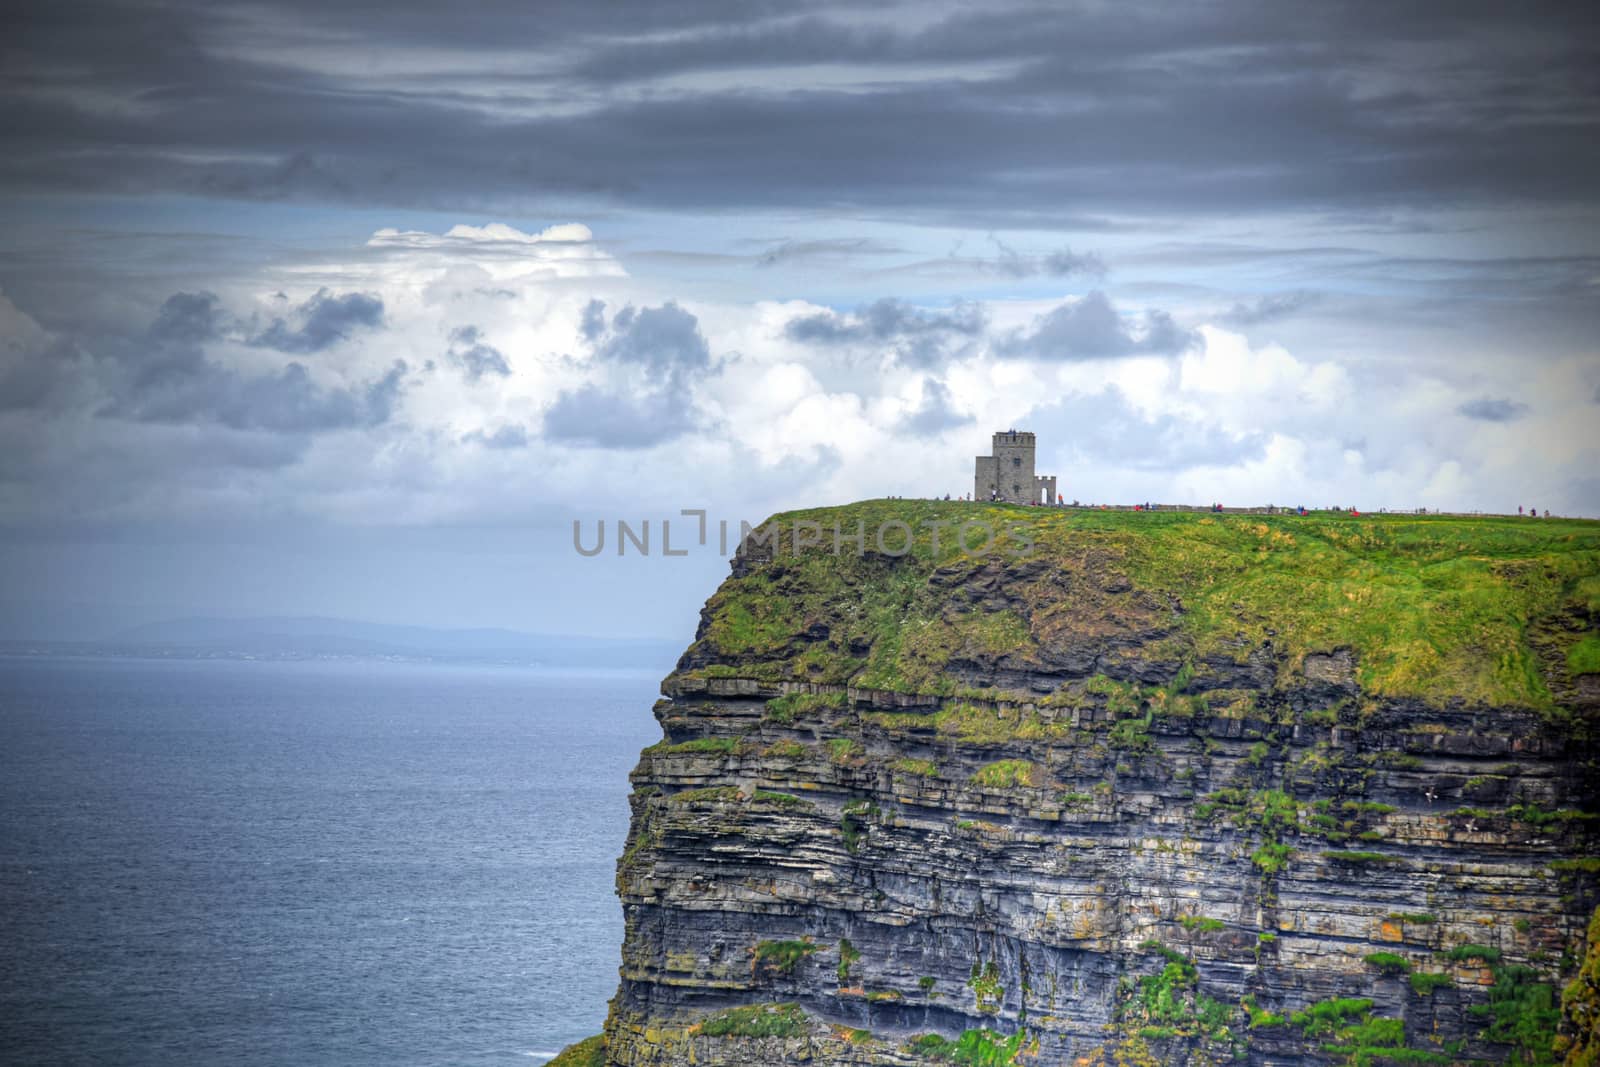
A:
{"x": 355, "y": 309}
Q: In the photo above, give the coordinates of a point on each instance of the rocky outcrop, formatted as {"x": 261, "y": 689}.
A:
{"x": 1078, "y": 805}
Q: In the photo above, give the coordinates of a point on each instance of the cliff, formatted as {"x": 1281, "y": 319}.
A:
{"x": 1122, "y": 789}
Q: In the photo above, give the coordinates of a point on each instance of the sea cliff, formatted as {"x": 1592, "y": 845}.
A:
{"x": 1122, "y": 789}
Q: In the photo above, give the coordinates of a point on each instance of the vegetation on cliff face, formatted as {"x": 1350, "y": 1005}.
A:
{"x": 1579, "y": 1040}
{"x": 587, "y": 1053}
{"x": 1165, "y": 789}
{"x": 1483, "y": 610}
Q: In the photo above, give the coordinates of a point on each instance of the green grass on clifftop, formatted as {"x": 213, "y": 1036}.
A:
{"x": 1486, "y": 610}
{"x": 587, "y": 1053}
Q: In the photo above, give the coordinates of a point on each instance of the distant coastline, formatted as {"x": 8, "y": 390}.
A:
{"x": 340, "y": 640}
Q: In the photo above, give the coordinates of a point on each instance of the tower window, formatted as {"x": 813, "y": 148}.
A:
{"x": 1016, "y": 461}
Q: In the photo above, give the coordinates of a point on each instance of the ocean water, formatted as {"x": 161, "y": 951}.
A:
{"x": 287, "y": 863}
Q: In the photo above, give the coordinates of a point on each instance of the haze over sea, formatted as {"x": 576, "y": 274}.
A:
{"x": 309, "y": 863}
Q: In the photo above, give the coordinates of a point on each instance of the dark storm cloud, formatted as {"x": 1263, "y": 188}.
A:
{"x": 475, "y": 357}
{"x": 918, "y": 337}
{"x": 1488, "y": 409}
{"x": 322, "y": 321}
{"x": 163, "y": 374}
{"x": 1016, "y": 114}
{"x": 48, "y": 378}
{"x": 193, "y": 389}
{"x": 651, "y": 358}
{"x": 188, "y": 318}
{"x": 934, "y": 414}
{"x": 1091, "y": 328}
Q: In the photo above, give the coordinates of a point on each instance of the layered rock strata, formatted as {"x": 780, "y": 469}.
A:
{"x": 1199, "y": 791}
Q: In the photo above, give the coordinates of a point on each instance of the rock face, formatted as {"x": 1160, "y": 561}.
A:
{"x": 1120, "y": 790}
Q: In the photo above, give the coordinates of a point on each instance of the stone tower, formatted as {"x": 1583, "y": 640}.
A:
{"x": 1007, "y": 474}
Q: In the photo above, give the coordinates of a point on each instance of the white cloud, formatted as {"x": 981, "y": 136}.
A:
{"x": 784, "y": 423}
{"x": 504, "y": 253}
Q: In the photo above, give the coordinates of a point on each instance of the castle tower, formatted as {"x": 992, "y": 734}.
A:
{"x": 1008, "y": 473}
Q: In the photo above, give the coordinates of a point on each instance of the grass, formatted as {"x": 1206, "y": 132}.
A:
{"x": 590, "y": 1052}
{"x": 711, "y": 794}
{"x": 921, "y": 768}
{"x": 786, "y": 709}
{"x": 1434, "y": 607}
{"x": 1413, "y": 917}
{"x": 1326, "y": 1017}
{"x": 1362, "y": 858}
{"x": 1425, "y": 982}
{"x": 783, "y": 956}
{"x": 1272, "y": 857}
{"x": 987, "y": 989}
{"x": 711, "y": 746}
{"x": 844, "y": 750}
{"x": 1388, "y": 962}
{"x": 854, "y": 819}
{"x": 1346, "y": 1027}
{"x": 1580, "y": 1001}
{"x": 1472, "y": 952}
{"x": 729, "y": 794}
{"x": 1169, "y": 1003}
{"x": 1522, "y": 1012}
{"x": 1260, "y": 1018}
{"x": 1007, "y": 773}
{"x": 757, "y": 1020}
{"x": 848, "y": 955}
{"x": 973, "y": 1048}
{"x": 1534, "y": 815}
{"x": 969, "y": 723}
{"x": 782, "y": 800}
{"x": 1584, "y": 657}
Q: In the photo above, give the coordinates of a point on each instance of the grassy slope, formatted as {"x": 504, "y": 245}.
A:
{"x": 587, "y": 1053}
{"x": 1434, "y": 607}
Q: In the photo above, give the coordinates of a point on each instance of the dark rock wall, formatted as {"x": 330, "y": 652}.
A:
{"x": 1038, "y": 859}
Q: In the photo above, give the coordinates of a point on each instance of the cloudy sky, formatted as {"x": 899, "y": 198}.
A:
{"x": 352, "y": 309}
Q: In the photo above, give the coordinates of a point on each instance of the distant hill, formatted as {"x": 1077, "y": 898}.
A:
{"x": 324, "y": 638}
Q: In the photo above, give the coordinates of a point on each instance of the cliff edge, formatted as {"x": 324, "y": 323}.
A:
{"x": 958, "y": 783}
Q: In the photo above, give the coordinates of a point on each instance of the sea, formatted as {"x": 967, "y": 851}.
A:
{"x": 238, "y": 862}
